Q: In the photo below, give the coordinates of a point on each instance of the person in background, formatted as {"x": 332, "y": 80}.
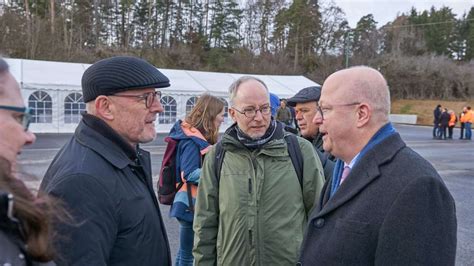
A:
{"x": 468, "y": 120}
{"x": 283, "y": 113}
{"x": 436, "y": 116}
{"x": 461, "y": 122}
{"x": 305, "y": 103}
{"x": 256, "y": 211}
{"x": 195, "y": 135}
{"x": 293, "y": 123}
{"x": 26, "y": 235}
{"x": 452, "y": 123}
{"x": 104, "y": 177}
{"x": 274, "y": 103}
{"x": 385, "y": 204}
{"x": 14, "y": 118}
{"x": 26, "y": 222}
{"x": 444, "y": 123}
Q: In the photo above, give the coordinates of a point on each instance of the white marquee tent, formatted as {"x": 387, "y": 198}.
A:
{"x": 53, "y": 91}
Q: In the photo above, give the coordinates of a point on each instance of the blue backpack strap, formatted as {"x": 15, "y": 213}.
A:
{"x": 296, "y": 156}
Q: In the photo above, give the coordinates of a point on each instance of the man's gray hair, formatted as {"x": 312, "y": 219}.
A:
{"x": 90, "y": 107}
{"x": 234, "y": 87}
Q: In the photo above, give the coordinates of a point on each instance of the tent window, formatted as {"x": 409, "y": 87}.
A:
{"x": 169, "y": 114}
{"x": 226, "y": 110}
{"x": 42, "y": 107}
{"x": 190, "y": 103}
{"x": 73, "y": 107}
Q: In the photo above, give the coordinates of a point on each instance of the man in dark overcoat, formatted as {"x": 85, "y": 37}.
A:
{"x": 103, "y": 176}
{"x": 384, "y": 204}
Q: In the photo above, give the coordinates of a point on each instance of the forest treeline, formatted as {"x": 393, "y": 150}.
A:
{"x": 423, "y": 53}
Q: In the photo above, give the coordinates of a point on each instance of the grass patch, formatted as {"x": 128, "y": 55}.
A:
{"x": 405, "y": 109}
{"x": 424, "y": 108}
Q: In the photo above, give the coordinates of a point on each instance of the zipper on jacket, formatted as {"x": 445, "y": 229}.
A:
{"x": 250, "y": 185}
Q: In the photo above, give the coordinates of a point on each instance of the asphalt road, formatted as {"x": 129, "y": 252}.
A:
{"x": 452, "y": 158}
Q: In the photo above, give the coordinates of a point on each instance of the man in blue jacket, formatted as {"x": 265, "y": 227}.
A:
{"x": 385, "y": 204}
{"x": 104, "y": 177}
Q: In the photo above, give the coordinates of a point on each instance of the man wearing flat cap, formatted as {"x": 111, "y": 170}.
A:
{"x": 102, "y": 175}
{"x": 305, "y": 103}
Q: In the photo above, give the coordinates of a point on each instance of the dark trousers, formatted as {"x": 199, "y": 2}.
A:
{"x": 450, "y": 132}
{"x": 442, "y": 133}
{"x": 462, "y": 131}
{"x": 436, "y": 131}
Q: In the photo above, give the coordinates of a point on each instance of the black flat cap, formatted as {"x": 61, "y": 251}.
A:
{"x": 120, "y": 73}
{"x": 305, "y": 95}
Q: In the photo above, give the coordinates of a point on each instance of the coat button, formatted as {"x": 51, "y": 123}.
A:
{"x": 318, "y": 223}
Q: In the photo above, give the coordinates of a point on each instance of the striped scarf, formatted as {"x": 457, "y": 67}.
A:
{"x": 256, "y": 143}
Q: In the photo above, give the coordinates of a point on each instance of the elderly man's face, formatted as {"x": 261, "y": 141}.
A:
{"x": 12, "y": 133}
{"x": 339, "y": 118}
{"x": 133, "y": 120}
{"x": 251, "y": 95}
{"x": 305, "y": 113}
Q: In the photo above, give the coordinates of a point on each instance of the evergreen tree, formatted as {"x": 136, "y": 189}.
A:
{"x": 439, "y": 32}
{"x": 225, "y": 24}
{"x": 366, "y": 43}
{"x": 469, "y": 35}
{"x": 301, "y": 23}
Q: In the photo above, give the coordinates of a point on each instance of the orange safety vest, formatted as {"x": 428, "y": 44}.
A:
{"x": 452, "y": 120}
{"x": 468, "y": 117}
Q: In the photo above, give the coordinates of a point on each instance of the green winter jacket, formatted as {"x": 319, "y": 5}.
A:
{"x": 257, "y": 214}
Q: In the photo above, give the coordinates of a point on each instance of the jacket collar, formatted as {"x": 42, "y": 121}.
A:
{"x": 182, "y": 130}
{"x": 273, "y": 147}
{"x": 101, "y": 138}
{"x": 365, "y": 172}
{"x": 317, "y": 142}
{"x": 230, "y": 137}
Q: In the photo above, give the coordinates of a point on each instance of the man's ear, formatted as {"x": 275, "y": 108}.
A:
{"x": 104, "y": 107}
{"x": 232, "y": 114}
{"x": 364, "y": 113}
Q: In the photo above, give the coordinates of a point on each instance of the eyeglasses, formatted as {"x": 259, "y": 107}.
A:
{"x": 251, "y": 112}
{"x": 149, "y": 97}
{"x": 24, "y": 119}
{"x": 324, "y": 110}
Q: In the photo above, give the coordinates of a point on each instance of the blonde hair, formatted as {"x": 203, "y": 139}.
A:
{"x": 203, "y": 115}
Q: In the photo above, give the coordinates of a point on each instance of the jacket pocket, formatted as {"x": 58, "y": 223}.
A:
{"x": 352, "y": 226}
{"x": 356, "y": 245}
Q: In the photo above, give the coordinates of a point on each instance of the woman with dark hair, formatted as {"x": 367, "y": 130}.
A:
{"x": 195, "y": 134}
{"x": 25, "y": 223}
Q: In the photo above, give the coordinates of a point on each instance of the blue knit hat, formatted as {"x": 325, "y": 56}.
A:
{"x": 120, "y": 73}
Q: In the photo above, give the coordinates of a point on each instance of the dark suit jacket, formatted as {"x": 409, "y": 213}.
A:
{"x": 393, "y": 209}
{"x": 117, "y": 219}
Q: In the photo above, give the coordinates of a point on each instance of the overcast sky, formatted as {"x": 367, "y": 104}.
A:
{"x": 386, "y": 10}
